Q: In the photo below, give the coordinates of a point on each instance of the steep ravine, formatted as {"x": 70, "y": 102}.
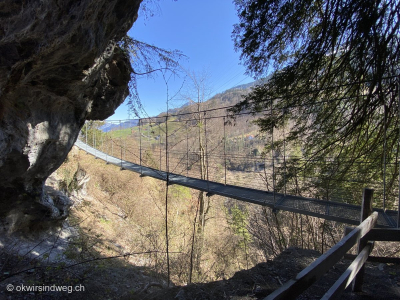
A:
{"x": 59, "y": 66}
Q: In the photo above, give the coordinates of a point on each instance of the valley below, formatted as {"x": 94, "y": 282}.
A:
{"x": 113, "y": 244}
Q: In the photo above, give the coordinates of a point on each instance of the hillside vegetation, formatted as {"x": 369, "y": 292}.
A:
{"x": 119, "y": 217}
{"x": 215, "y": 235}
{"x": 118, "y": 249}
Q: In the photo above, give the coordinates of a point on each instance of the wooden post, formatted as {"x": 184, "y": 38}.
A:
{"x": 294, "y": 287}
{"x": 366, "y": 210}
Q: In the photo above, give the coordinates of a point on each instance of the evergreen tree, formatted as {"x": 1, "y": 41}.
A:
{"x": 334, "y": 84}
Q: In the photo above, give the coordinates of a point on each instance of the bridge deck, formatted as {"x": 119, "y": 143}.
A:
{"x": 329, "y": 210}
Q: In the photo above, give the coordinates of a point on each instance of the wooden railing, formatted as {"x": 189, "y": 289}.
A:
{"x": 354, "y": 273}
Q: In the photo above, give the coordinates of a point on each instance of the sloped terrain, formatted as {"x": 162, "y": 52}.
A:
{"x": 112, "y": 246}
{"x": 121, "y": 280}
{"x": 382, "y": 281}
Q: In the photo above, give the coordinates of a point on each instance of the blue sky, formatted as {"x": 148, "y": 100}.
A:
{"x": 202, "y": 31}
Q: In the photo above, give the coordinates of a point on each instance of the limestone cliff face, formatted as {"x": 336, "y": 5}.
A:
{"x": 59, "y": 66}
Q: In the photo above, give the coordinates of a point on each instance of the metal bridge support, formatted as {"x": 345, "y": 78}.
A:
{"x": 187, "y": 150}
{"x": 94, "y": 144}
{"x": 140, "y": 146}
{"x": 107, "y": 152}
{"x": 398, "y": 117}
{"x": 159, "y": 130}
{"x": 284, "y": 162}
{"x": 273, "y": 155}
{"x": 205, "y": 137}
{"x": 112, "y": 147}
{"x": 224, "y": 149}
{"x": 120, "y": 143}
{"x": 166, "y": 148}
{"x": 86, "y": 134}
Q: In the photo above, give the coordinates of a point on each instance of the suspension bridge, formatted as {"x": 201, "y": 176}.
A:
{"x": 202, "y": 151}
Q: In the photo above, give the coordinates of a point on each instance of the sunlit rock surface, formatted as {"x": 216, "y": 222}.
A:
{"x": 59, "y": 66}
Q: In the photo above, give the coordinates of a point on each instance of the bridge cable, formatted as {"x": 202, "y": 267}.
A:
{"x": 206, "y": 154}
{"x": 398, "y": 120}
{"x": 273, "y": 155}
{"x": 187, "y": 151}
{"x": 94, "y": 142}
{"x": 166, "y": 193}
{"x": 224, "y": 149}
{"x": 120, "y": 141}
{"x": 284, "y": 161}
{"x": 86, "y": 136}
{"x": 140, "y": 146}
{"x": 385, "y": 162}
{"x": 384, "y": 153}
{"x": 160, "y": 136}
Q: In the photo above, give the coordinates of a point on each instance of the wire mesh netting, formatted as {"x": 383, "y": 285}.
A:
{"x": 215, "y": 148}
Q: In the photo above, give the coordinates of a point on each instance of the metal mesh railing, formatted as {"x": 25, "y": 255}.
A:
{"x": 205, "y": 146}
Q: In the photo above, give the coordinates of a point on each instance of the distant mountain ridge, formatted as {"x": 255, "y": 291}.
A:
{"x": 227, "y": 98}
{"x": 115, "y": 126}
{"x": 244, "y": 86}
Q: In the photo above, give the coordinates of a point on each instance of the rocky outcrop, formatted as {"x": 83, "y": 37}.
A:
{"x": 59, "y": 66}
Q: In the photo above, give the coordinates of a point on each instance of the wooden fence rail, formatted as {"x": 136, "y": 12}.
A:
{"x": 380, "y": 234}
{"x": 347, "y": 277}
{"x": 294, "y": 287}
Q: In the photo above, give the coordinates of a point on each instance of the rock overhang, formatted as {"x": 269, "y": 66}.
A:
{"x": 60, "y": 65}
